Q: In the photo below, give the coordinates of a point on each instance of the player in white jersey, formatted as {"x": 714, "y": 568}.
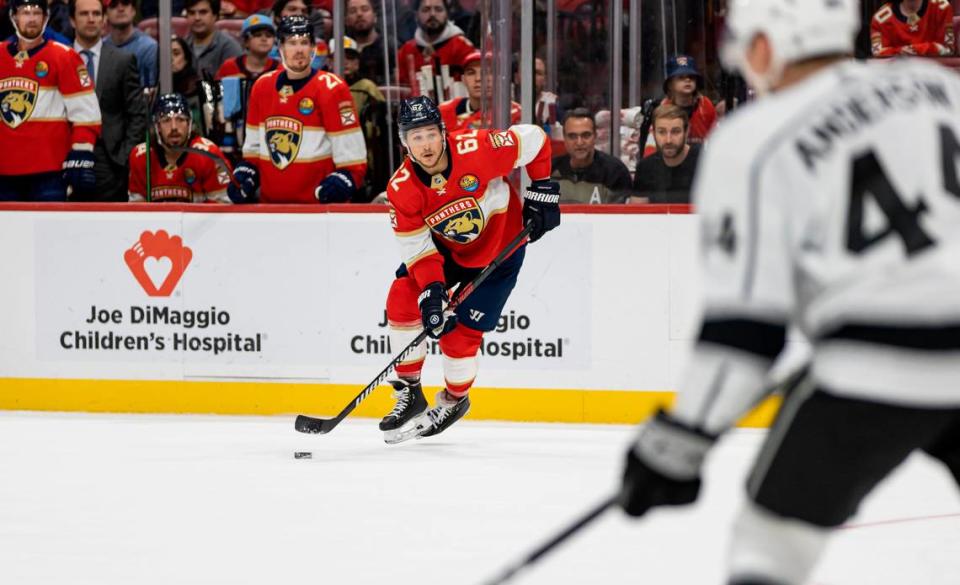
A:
{"x": 841, "y": 215}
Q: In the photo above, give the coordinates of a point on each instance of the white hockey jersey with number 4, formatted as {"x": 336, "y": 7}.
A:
{"x": 834, "y": 204}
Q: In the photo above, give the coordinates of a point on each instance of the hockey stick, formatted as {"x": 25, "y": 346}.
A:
{"x": 322, "y": 426}
{"x": 581, "y": 522}
{"x": 221, "y": 164}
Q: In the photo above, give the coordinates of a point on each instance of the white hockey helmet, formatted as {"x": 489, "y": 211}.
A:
{"x": 796, "y": 29}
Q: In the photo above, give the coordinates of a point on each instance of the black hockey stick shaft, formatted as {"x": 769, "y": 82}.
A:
{"x": 586, "y": 519}
{"x": 322, "y": 426}
{"x": 221, "y": 164}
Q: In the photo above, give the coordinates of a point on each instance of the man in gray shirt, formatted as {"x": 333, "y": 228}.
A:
{"x": 211, "y": 46}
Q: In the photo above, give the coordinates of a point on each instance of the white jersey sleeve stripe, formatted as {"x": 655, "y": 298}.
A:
{"x": 531, "y": 139}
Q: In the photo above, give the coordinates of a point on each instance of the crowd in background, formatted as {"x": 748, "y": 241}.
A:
{"x": 220, "y": 49}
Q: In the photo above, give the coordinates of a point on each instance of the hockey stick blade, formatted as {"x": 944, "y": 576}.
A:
{"x": 532, "y": 557}
{"x": 322, "y": 426}
{"x": 314, "y": 426}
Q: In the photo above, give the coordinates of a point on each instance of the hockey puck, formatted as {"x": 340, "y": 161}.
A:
{"x": 302, "y": 455}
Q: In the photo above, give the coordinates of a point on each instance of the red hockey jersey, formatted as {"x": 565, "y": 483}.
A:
{"x": 457, "y": 115}
{"x": 193, "y": 178}
{"x": 450, "y": 49}
{"x": 470, "y": 209}
{"x": 47, "y": 104}
{"x": 929, "y": 32}
{"x": 298, "y": 132}
{"x": 237, "y": 67}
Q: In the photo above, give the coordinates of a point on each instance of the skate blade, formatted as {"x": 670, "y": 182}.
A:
{"x": 408, "y": 431}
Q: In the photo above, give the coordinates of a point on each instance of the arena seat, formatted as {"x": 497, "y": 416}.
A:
{"x": 231, "y": 26}
{"x": 178, "y": 25}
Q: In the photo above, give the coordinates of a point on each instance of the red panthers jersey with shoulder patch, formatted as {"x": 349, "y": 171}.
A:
{"x": 470, "y": 209}
{"x": 300, "y": 131}
{"x": 47, "y": 104}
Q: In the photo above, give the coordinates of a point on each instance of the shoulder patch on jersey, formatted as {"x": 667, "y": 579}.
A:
{"x": 283, "y": 136}
{"x": 459, "y": 221}
{"x": 84, "y": 76}
{"x": 141, "y": 149}
{"x": 347, "y": 116}
{"x": 500, "y": 139}
{"x": 18, "y": 96}
{"x": 469, "y": 183}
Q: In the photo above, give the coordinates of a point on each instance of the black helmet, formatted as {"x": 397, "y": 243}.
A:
{"x": 294, "y": 26}
{"x": 418, "y": 112}
{"x": 169, "y": 104}
{"x": 12, "y": 5}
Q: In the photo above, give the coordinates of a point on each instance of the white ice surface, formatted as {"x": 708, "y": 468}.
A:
{"x": 110, "y": 500}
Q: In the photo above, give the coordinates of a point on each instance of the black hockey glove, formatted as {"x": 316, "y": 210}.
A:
{"x": 663, "y": 466}
{"x": 78, "y": 171}
{"x": 541, "y": 207}
{"x": 337, "y": 187}
{"x": 432, "y": 302}
{"x": 249, "y": 178}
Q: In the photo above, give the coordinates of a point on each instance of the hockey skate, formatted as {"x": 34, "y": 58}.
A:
{"x": 448, "y": 410}
{"x": 405, "y": 421}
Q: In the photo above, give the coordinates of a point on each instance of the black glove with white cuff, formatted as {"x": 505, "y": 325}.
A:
{"x": 541, "y": 207}
{"x": 663, "y": 465}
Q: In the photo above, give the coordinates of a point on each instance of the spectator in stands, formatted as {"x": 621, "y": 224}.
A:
{"x": 437, "y": 42}
{"x": 465, "y": 112}
{"x": 283, "y": 8}
{"x": 122, "y": 107}
{"x": 210, "y": 46}
{"x": 913, "y": 27}
{"x": 683, "y": 88}
{"x": 371, "y": 109}
{"x": 585, "y": 174}
{"x": 236, "y": 77}
{"x": 124, "y": 35}
{"x": 360, "y": 23}
{"x": 259, "y": 35}
{"x": 666, "y": 177}
{"x": 161, "y": 171}
{"x": 186, "y": 80}
{"x": 545, "y": 113}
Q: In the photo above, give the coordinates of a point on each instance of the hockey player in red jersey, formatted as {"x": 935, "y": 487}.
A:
{"x": 464, "y": 113}
{"x": 913, "y": 27}
{"x": 176, "y": 176}
{"x": 303, "y": 140}
{"x": 453, "y": 211}
{"x": 49, "y": 112}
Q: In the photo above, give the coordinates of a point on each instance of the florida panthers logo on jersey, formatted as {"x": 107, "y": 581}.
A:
{"x": 18, "y": 95}
{"x": 460, "y": 221}
{"x": 283, "y": 137}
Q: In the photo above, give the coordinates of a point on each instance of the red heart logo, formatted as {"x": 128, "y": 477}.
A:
{"x": 158, "y": 261}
